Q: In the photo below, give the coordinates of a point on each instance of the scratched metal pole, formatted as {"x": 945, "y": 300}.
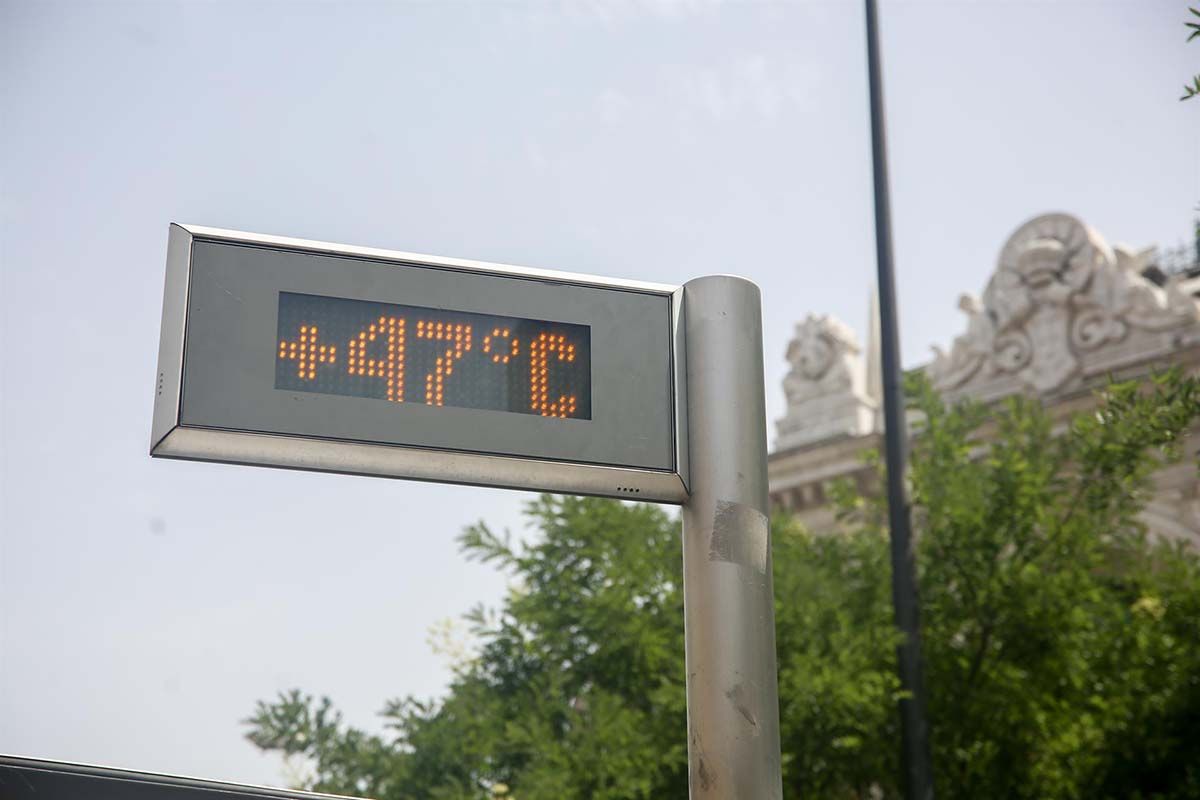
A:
{"x": 729, "y": 612}
{"x": 914, "y": 730}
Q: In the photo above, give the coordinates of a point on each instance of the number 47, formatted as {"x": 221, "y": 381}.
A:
{"x": 308, "y": 353}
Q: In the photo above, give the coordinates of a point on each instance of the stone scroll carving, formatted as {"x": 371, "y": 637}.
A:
{"x": 1060, "y": 305}
{"x": 826, "y": 388}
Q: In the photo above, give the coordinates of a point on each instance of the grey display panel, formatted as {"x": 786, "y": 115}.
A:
{"x": 220, "y": 395}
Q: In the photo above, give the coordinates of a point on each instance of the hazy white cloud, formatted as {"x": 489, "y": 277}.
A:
{"x": 535, "y": 155}
{"x": 612, "y": 105}
{"x": 612, "y": 12}
{"x": 750, "y": 85}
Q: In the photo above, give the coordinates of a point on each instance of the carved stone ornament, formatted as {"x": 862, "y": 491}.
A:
{"x": 1059, "y": 299}
{"x": 826, "y": 386}
{"x": 824, "y": 358}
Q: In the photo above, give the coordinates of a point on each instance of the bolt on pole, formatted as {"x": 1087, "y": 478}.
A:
{"x": 914, "y": 729}
{"x": 729, "y": 611}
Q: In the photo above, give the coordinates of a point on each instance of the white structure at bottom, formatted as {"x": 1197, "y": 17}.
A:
{"x": 1062, "y": 312}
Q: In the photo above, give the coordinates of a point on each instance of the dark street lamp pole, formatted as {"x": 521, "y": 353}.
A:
{"x": 914, "y": 730}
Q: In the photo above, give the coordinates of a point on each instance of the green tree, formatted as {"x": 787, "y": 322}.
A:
{"x": 1062, "y": 646}
{"x": 1046, "y": 607}
{"x": 1190, "y": 91}
{"x": 577, "y": 691}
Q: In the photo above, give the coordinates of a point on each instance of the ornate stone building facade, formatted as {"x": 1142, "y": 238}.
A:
{"x": 1062, "y": 312}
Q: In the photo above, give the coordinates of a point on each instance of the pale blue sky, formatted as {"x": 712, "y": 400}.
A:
{"x": 145, "y": 606}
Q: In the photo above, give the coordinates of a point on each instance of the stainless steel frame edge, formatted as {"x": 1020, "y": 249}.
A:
{"x": 411, "y": 463}
{"x": 679, "y": 394}
{"x": 173, "y": 333}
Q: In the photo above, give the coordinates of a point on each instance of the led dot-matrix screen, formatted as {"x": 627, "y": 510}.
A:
{"x": 435, "y": 357}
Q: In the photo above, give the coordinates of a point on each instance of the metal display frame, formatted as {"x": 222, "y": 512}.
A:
{"x": 173, "y": 437}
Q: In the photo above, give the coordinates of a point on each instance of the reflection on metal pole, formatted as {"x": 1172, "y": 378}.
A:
{"x": 728, "y": 603}
{"x": 915, "y": 754}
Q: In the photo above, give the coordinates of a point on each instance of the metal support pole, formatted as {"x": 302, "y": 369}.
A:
{"x": 728, "y": 601}
{"x": 914, "y": 731}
